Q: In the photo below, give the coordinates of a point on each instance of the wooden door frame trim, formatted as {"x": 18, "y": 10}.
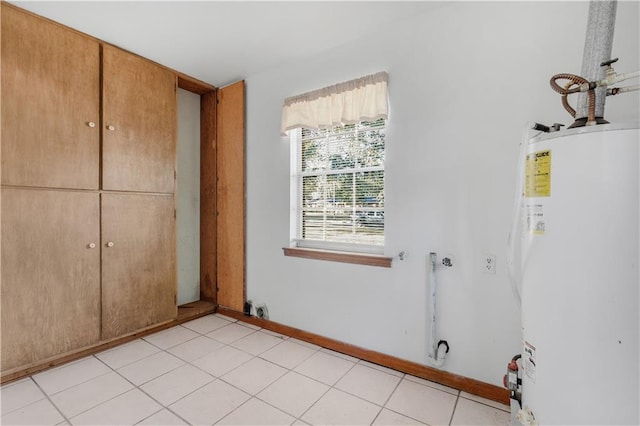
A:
{"x": 208, "y": 183}
{"x": 208, "y": 197}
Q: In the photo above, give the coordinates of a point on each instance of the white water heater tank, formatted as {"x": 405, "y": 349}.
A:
{"x": 580, "y": 280}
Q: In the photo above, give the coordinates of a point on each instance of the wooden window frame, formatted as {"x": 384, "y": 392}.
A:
{"x": 339, "y": 256}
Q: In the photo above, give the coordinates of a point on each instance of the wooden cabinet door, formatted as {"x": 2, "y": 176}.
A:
{"x": 50, "y": 97}
{"x": 230, "y": 196}
{"x": 138, "y": 262}
{"x": 140, "y": 124}
{"x": 50, "y": 287}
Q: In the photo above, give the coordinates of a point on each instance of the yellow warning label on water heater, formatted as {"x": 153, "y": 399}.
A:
{"x": 537, "y": 182}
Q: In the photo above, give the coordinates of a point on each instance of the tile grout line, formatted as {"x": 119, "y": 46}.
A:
{"x": 258, "y": 399}
{"x": 25, "y": 379}
{"x": 330, "y": 386}
{"x": 388, "y": 398}
{"x": 405, "y": 414}
{"x": 139, "y": 387}
{"x": 314, "y": 403}
{"x": 455, "y": 406}
{"x": 141, "y": 359}
{"x": 129, "y": 363}
{"x": 184, "y": 396}
{"x": 227, "y": 372}
{"x": 163, "y": 331}
{"x": 232, "y": 411}
{"x": 284, "y": 366}
{"x": 113, "y": 397}
{"x": 48, "y": 398}
{"x": 401, "y": 378}
{"x": 484, "y": 403}
{"x": 383, "y": 405}
{"x": 219, "y": 378}
{"x": 134, "y": 386}
{"x": 166, "y": 407}
{"x": 61, "y": 367}
{"x": 66, "y": 419}
{"x": 230, "y": 344}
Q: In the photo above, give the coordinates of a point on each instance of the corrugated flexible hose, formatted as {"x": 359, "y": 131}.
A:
{"x": 574, "y": 80}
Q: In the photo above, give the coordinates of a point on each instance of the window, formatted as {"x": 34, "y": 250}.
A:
{"x": 337, "y": 136}
{"x": 338, "y": 187}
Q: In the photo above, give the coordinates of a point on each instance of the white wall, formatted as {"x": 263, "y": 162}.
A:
{"x": 188, "y": 197}
{"x": 464, "y": 80}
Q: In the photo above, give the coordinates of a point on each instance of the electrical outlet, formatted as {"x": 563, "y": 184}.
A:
{"x": 489, "y": 263}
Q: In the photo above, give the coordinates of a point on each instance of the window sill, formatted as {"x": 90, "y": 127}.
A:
{"x": 339, "y": 256}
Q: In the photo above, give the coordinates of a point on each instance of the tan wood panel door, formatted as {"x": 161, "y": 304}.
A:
{"x": 140, "y": 124}
{"x": 50, "y": 104}
{"x": 138, "y": 262}
{"x": 50, "y": 273}
{"x": 230, "y": 196}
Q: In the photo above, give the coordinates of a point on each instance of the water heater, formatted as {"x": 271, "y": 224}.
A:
{"x": 579, "y": 263}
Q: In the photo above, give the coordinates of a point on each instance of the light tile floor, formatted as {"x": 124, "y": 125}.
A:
{"x": 215, "y": 370}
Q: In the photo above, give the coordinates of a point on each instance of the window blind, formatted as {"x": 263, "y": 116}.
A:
{"x": 340, "y": 174}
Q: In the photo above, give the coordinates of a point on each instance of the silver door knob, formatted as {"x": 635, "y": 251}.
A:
{"x": 92, "y": 245}
{"x": 111, "y": 127}
{"x": 91, "y": 124}
{"x": 110, "y": 244}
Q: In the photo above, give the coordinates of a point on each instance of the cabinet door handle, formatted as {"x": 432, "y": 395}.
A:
{"x": 91, "y": 124}
{"x": 110, "y": 244}
{"x": 111, "y": 127}
{"x": 92, "y": 245}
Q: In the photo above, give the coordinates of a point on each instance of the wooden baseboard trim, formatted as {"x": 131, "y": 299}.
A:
{"x": 462, "y": 383}
{"x": 187, "y": 312}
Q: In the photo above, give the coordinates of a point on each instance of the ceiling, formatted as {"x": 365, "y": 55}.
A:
{"x": 221, "y": 42}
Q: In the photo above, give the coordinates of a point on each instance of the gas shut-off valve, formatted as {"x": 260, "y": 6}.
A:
{"x": 513, "y": 382}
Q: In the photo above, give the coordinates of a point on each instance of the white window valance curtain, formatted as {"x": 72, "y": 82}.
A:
{"x": 350, "y": 102}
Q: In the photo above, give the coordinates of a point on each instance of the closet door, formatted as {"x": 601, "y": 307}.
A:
{"x": 230, "y": 197}
{"x": 50, "y": 273}
{"x": 138, "y": 262}
{"x": 50, "y": 104}
{"x": 140, "y": 124}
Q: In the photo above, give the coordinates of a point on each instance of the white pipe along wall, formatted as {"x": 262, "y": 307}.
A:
{"x": 438, "y": 349}
{"x": 463, "y": 81}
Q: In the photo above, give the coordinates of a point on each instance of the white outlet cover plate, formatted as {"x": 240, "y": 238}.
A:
{"x": 489, "y": 263}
